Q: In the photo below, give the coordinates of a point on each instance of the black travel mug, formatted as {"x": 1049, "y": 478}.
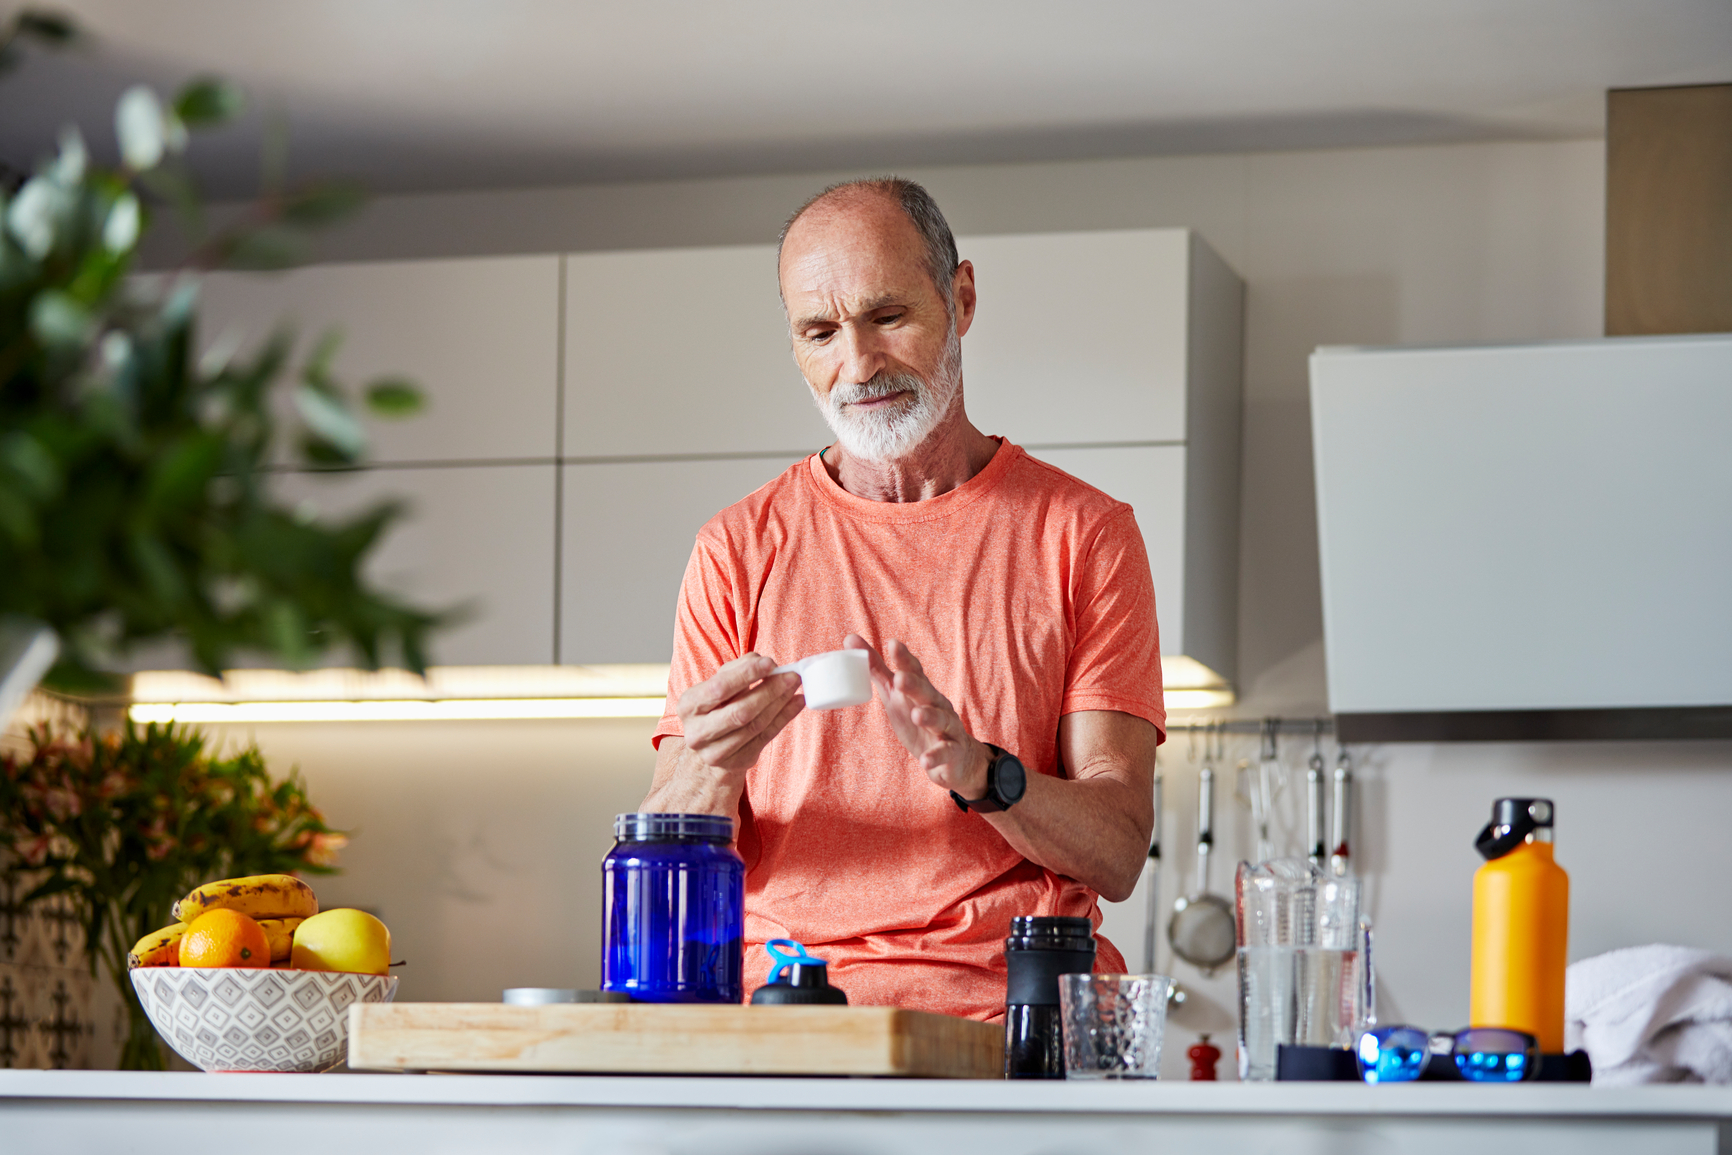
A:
{"x": 1039, "y": 949}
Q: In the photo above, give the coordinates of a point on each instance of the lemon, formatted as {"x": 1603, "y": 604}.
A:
{"x": 342, "y": 940}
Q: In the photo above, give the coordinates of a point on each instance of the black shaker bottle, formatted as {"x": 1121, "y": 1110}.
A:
{"x": 1039, "y": 949}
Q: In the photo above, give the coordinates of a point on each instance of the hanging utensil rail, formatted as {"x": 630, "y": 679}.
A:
{"x": 1305, "y": 726}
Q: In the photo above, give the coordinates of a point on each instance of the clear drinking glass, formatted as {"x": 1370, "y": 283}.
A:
{"x": 1113, "y": 1025}
{"x": 1304, "y": 969}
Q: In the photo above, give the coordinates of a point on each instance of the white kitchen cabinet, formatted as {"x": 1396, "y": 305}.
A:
{"x": 480, "y": 536}
{"x": 1520, "y": 532}
{"x": 682, "y": 351}
{"x": 628, "y": 533}
{"x": 480, "y": 336}
{"x": 1081, "y": 337}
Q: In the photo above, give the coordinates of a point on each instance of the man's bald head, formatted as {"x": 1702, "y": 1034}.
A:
{"x": 937, "y": 244}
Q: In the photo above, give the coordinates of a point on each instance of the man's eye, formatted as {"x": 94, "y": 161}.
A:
{"x": 889, "y": 318}
{"x": 819, "y": 338}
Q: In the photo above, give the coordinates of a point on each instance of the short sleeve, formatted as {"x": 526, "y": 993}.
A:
{"x": 1115, "y": 662}
{"x": 706, "y": 630}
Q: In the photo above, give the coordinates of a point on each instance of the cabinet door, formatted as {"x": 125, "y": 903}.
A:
{"x": 682, "y": 351}
{"x": 629, "y": 529}
{"x": 480, "y": 336}
{"x": 474, "y": 536}
{"x": 1079, "y": 337}
{"x": 1151, "y": 480}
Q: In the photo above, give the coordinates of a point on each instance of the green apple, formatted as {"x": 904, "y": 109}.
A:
{"x": 342, "y": 940}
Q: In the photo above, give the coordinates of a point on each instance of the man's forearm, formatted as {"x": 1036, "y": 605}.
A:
{"x": 1093, "y": 825}
{"x": 1096, "y": 830}
{"x": 686, "y": 784}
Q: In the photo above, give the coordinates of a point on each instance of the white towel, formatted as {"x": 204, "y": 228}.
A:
{"x": 1652, "y": 1014}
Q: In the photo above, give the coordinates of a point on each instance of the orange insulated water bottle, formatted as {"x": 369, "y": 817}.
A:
{"x": 1521, "y": 925}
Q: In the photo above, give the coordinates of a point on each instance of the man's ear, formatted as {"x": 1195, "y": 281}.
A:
{"x": 962, "y": 291}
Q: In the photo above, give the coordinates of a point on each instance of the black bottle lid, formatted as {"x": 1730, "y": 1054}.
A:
{"x": 1050, "y": 932}
{"x": 1512, "y": 820}
{"x": 797, "y": 979}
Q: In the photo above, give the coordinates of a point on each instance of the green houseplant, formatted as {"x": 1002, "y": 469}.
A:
{"x": 135, "y": 502}
{"x": 123, "y": 824}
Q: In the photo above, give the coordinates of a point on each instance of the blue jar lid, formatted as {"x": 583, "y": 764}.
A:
{"x": 663, "y": 827}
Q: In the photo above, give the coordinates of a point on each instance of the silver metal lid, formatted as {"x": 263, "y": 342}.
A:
{"x": 538, "y": 996}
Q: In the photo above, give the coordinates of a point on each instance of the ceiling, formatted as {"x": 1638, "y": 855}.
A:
{"x": 420, "y": 95}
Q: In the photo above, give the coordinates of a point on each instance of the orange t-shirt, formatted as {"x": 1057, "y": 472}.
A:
{"x": 1026, "y": 595}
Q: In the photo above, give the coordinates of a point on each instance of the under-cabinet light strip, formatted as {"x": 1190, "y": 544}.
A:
{"x": 1198, "y": 699}
{"x": 401, "y": 710}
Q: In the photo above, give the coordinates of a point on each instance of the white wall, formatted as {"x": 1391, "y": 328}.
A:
{"x": 486, "y": 839}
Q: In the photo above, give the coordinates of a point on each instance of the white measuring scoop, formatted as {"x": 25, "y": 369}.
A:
{"x": 833, "y": 680}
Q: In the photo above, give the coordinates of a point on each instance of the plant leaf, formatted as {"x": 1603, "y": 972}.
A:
{"x": 121, "y": 228}
{"x": 394, "y": 397}
{"x": 73, "y": 159}
{"x": 208, "y": 101}
{"x": 141, "y": 127}
{"x": 330, "y": 420}
{"x": 59, "y": 321}
{"x": 30, "y": 216}
{"x": 183, "y": 471}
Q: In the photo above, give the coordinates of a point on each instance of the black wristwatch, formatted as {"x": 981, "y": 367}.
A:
{"x": 1005, "y": 782}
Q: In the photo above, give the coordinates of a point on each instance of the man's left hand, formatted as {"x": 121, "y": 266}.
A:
{"x": 925, "y": 721}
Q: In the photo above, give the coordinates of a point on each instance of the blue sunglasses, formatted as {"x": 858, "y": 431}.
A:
{"x": 1482, "y": 1054}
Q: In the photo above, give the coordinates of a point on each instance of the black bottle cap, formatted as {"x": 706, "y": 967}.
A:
{"x": 1050, "y": 932}
{"x": 800, "y": 983}
{"x": 1512, "y": 820}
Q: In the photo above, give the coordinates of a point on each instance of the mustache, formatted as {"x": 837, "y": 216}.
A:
{"x": 882, "y": 384}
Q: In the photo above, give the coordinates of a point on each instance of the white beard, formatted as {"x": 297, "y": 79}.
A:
{"x": 893, "y": 434}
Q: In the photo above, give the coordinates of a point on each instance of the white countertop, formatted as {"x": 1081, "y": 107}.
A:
{"x": 882, "y": 1095}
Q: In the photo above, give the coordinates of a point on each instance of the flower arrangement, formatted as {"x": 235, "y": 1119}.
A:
{"x": 125, "y": 823}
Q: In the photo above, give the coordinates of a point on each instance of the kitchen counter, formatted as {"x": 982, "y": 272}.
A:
{"x": 111, "y": 1112}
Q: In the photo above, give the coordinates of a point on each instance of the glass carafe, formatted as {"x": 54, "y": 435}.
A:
{"x": 1304, "y": 961}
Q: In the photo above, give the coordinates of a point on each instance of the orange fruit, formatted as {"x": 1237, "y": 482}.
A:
{"x": 224, "y": 938}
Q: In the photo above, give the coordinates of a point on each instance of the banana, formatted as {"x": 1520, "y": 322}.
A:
{"x": 159, "y": 948}
{"x": 257, "y": 895}
{"x": 281, "y": 933}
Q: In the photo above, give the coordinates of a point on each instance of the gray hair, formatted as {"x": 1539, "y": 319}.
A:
{"x": 937, "y": 242}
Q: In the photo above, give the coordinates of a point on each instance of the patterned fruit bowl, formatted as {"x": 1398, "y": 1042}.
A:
{"x": 243, "y": 1019}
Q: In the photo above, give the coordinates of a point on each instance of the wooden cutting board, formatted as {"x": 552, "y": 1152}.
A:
{"x": 648, "y": 1038}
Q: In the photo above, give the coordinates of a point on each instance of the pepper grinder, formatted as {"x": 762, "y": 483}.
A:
{"x": 1203, "y": 1055}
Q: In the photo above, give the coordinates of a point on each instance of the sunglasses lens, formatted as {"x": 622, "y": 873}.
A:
{"x": 1392, "y": 1054}
{"x": 1495, "y": 1055}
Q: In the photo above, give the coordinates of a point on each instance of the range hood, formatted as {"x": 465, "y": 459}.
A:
{"x": 1527, "y": 541}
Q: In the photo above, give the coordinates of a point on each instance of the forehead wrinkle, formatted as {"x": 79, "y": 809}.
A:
{"x": 868, "y": 305}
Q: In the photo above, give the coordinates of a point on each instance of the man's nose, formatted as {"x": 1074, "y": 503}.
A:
{"x": 862, "y": 354}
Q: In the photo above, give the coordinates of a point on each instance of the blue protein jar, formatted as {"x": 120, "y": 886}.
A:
{"x": 673, "y": 892}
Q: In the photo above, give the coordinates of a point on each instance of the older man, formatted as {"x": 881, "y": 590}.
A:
{"x": 1004, "y": 767}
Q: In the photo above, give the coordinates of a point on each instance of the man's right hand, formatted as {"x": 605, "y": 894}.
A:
{"x": 728, "y": 719}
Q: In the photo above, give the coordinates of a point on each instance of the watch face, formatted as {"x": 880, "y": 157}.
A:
{"x": 1012, "y": 779}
